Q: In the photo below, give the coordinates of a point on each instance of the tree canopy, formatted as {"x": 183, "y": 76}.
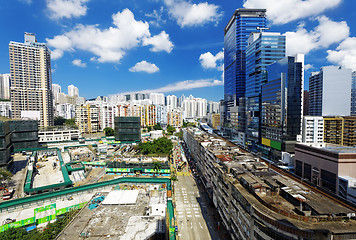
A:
{"x": 170, "y": 130}
{"x": 157, "y": 127}
{"x": 70, "y": 122}
{"x": 161, "y": 145}
{"x": 4, "y": 175}
{"x": 58, "y": 121}
{"x": 109, "y": 131}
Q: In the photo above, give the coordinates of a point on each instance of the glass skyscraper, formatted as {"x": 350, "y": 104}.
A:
{"x": 264, "y": 48}
{"x": 241, "y": 25}
{"x": 281, "y": 108}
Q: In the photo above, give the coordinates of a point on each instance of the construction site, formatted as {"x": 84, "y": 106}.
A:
{"x": 124, "y": 208}
{"x": 129, "y": 211}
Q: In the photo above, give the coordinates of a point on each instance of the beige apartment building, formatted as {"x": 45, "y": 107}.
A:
{"x": 87, "y": 118}
{"x": 31, "y": 80}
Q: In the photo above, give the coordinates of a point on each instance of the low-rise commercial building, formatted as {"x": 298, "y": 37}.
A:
{"x": 324, "y": 165}
{"x": 255, "y": 202}
{"x": 58, "y": 134}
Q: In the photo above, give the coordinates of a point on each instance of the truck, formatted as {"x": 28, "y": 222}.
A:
{"x": 7, "y": 195}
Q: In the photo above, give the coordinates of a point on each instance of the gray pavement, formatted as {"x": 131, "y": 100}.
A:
{"x": 191, "y": 224}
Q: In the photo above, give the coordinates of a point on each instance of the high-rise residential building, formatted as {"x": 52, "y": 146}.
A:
{"x": 282, "y": 110}
{"x": 65, "y": 110}
{"x": 172, "y": 102}
{"x": 306, "y": 103}
{"x": 330, "y": 92}
{"x": 5, "y": 108}
{"x": 73, "y": 91}
{"x": 87, "y": 118}
{"x": 242, "y": 23}
{"x": 5, "y": 86}
{"x": 150, "y": 115}
{"x": 175, "y": 117}
{"x": 202, "y": 107}
{"x": 213, "y": 107}
{"x": 340, "y": 130}
{"x": 353, "y": 94}
{"x": 107, "y": 113}
{"x": 31, "y": 80}
{"x": 56, "y": 88}
{"x": 181, "y": 100}
{"x": 263, "y": 49}
{"x": 312, "y": 129}
{"x": 157, "y": 98}
{"x": 162, "y": 114}
{"x": 189, "y": 108}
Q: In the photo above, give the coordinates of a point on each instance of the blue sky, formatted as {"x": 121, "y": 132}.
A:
{"x": 173, "y": 46}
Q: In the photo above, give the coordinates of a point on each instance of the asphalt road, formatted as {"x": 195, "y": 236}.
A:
{"x": 191, "y": 223}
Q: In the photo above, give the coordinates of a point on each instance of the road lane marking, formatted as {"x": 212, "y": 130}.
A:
{"x": 200, "y": 225}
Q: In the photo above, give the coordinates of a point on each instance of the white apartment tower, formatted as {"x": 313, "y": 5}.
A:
{"x": 172, "y": 101}
{"x": 31, "y": 79}
{"x": 202, "y": 107}
{"x": 73, "y": 91}
{"x": 157, "y": 98}
{"x": 5, "y": 86}
{"x": 56, "y": 88}
{"x": 313, "y": 129}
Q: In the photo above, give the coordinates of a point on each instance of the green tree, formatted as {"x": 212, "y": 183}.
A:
{"x": 179, "y": 135}
{"x": 58, "y": 121}
{"x": 70, "y": 122}
{"x": 157, "y": 166}
{"x": 109, "y": 131}
{"x": 157, "y": 127}
{"x": 4, "y": 175}
{"x": 149, "y": 129}
{"x": 161, "y": 145}
{"x": 170, "y": 130}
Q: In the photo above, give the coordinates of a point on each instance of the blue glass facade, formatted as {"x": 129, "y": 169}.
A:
{"x": 237, "y": 31}
{"x": 281, "y": 107}
{"x": 263, "y": 49}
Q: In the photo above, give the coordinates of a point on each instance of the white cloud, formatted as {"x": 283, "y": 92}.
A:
{"x": 308, "y": 66}
{"x": 109, "y": 45}
{"x": 187, "y": 14}
{"x": 281, "y": 12}
{"x": 59, "y": 9}
{"x": 183, "y": 85}
{"x": 159, "y": 42}
{"x": 326, "y": 33}
{"x": 79, "y": 63}
{"x": 56, "y": 54}
{"x": 208, "y": 60}
{"x": 345, "y": 54}
{"x": 156, "y": 17}
{"x": 144, "y": 66}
